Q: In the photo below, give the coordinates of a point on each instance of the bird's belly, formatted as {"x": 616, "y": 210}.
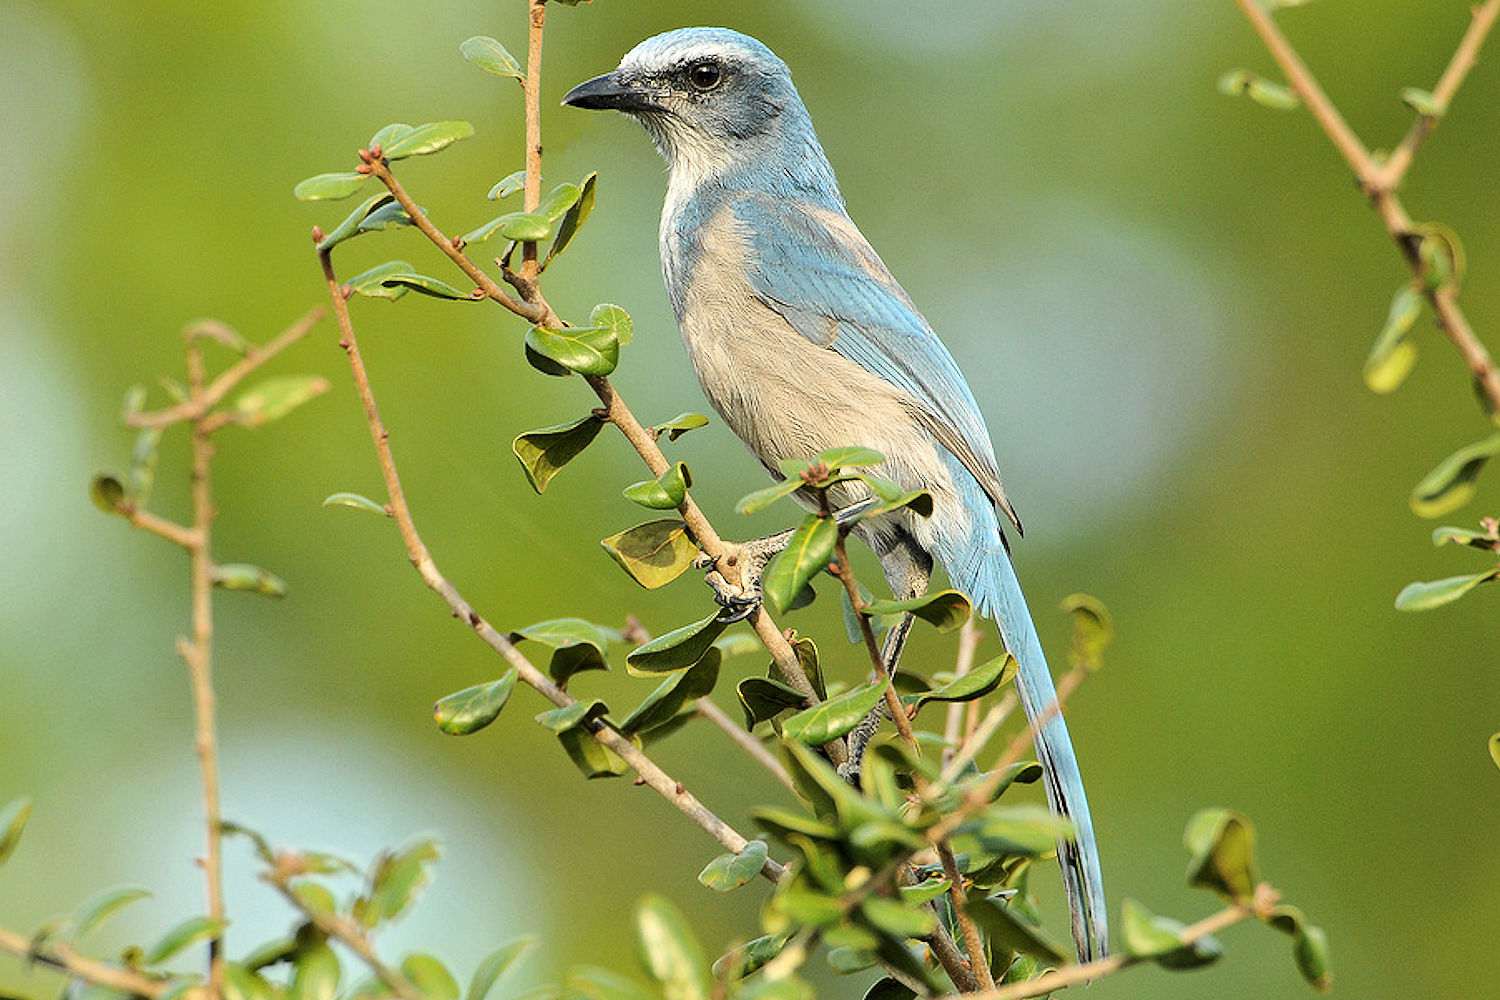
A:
{"x": 788, "y": 398}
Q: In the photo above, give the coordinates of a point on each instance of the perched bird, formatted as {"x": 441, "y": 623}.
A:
{"x": 803, "y": 341}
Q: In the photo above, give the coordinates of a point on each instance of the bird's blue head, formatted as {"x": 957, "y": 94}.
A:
{"x": 712, "y": 100}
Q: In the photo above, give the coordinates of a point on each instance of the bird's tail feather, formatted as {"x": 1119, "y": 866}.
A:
{"x": 999, "y": 595}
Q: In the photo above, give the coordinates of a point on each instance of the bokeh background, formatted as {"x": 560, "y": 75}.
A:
{"x": 1161, "y": 295}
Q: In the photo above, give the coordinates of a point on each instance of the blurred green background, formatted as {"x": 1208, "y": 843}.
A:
{"x": 1162, "y": 297}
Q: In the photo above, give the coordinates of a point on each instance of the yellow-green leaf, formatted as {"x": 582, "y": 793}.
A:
{"x": 679, "y": 648}
{"x": 489, "y": 55}
{"x": 508, "y": 185}
{"x": 730, "y": 871}
{"x": 1394, "y": 354}
{"x": 328, "y": 187}
{"x": 495, "y": 965}
{"x": 473, "y": 708}
{"x": 428, "y": 138}
{"x": 574, "y": 219}
{"x": 245, "y": 576}
{"x": 587, "y": 350}
{"x": 543, "y": 452}
{"x": 670, "y": 951}
{"x": 835, "y": 717}
{"x": 1222, "y": 845}
{"x": 355, "y": 501}
{"x": 275, "y": 397}
{"x": 666, "y": 492}
{"x": 1426, "y": 595}
{"x": 807, "y": 554}
{"x": 654, "y": 553}
{"x": 1093, "y": 630}
{"x": 1452, "y": 483}
{"x": 12, "y": 822}
{"x": 945, "y": 610}
{"x": 189, "y": 932}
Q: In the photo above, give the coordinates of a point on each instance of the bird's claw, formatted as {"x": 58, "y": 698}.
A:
{"x": 737, "y": 602}
{"x": 739, "y": 599}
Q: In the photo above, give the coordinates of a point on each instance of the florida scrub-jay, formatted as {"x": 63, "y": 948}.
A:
{"x": 803, "y": 340}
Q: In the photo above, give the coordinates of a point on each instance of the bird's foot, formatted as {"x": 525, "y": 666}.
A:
{"x": 734, "y": 576}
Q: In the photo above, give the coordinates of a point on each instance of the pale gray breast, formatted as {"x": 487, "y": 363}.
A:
{"x": 781, "y": 394}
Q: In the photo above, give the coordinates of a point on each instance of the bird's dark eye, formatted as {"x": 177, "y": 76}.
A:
{"x": 705, "y": 76}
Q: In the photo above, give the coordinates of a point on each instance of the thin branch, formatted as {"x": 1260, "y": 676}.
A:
{"x": 646, "y": 769}
{"x": 347, "y": 933}
{"x": 988, "y": 726}
{"x": 969, "y": 638}
{"x": 1375, "y": 181}
{"x": 1464, "y": 58}
{"x": 198, "y": 653}
{"x": 173, "y": 532}
{"x": 744, "y": 740}
{"x": 63, "y": 958}
{"x": 1074, "y": 975}
{"x": 232, "y": 376}
{"x": 532, "y": 85}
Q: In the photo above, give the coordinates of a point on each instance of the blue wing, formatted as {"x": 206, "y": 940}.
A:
{"x": 813, "y": 266}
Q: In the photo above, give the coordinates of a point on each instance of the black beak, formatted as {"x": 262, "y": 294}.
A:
{"x": 610, "y": 93}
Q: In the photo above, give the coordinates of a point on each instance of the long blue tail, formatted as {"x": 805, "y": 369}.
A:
{"x": 983, "y": 570}
{"x": 1079, "y": 859}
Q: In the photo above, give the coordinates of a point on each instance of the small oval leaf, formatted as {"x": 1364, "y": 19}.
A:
{"x": 355, "y": 501}
{"x": 473, "y": 708}
{"x": 328, "y": 187}
{"x": 428, "y": 138}
{"x": 835, "y": 717}
{"x": 489, "y": 55}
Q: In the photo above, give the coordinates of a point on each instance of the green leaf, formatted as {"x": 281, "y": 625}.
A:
{"x": 1022, "y": 829}
{"x": 662, "y": 706}
{"x": 1426, "y": 595}
{"x": 316, "y": 976}
{"x": 495, "y": 965}
{"x": 189, "y": 932}
{"x": 574, "y": 219}
{"x": 1422, "y": 102}
{"x": 273, "y": 398}
{"x": 763, "y": 698}
{"x": 328, "y": 187}
{"x": 977, "y": 683}
{"x": 12, "y": 822}
{"x": 426, "y": 285}
{"x": 669, "y": 950}
{"x": 574, "y": 728}
{"x": 608, "y": 316}
{"x": 784, "y": 823}
{"x": 355, "y": 501}
{"x": 1495, "y": 749}
{"x": 654, "y": 553}
{"x": 107, "y": 493}
{"x": 730, "y": 871}
{"x": 848, "y": 457}
{"x": 945, "y": 610}
{"x": 98, "y": 908}
{"x": 518, "y": 226}
{"x": 428, "y": 138}
{"x": 508, "y": 185}
{"x": 897, "y": 918}
{"x": 543, "y": 452}
{"x": 754, "y": 503}
{"x": 679, "y": 648}
{"x": 750, "y": 957}
{"x": 577, "y": 645}
{"x": 1464, "y": 536}
{"x": 1222, "y": 845}
{"x": 807, "y": 554}
{"x": 473, "y": 708}
{"x": 557, "y": 202}
{"x": 1159, "y": 939}
{"x": 315, "y": 897}
{"x": 893, "y": 498}
{"x": 1007, "y": 930}
{"x": 389, "y": 134}
{"x": 397, "y": 879}
{"x": 1310, "y": 950}
{"x": 1394, "y": 354}
{"x": 1243, "y": 83}
{"x": 381, "y": 211}
{"x": 490, "y": 56}
{"x": 679, "y": 425}
{"x": 889, "y": 989}
{"x": 244, "y": 576}
{"x": 1093, "y": 630}
{"x": 273, "y": 952}
{"x": 240, "y": 983}
{"x": 370, "y": 283}
{"x": 1452, "y": 483}
{"x": 430, "y": 976}
{"x": 847, "y": 961}
{"x": 927, "y": 890}
{"x": 587, "y": 350}
{"x": 663, "y": 493}
{"x": 572, "y": 716}
{"x": 835, "y": 717}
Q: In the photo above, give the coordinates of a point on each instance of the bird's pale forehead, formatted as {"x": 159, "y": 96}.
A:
{"x": 676, "y": 48}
